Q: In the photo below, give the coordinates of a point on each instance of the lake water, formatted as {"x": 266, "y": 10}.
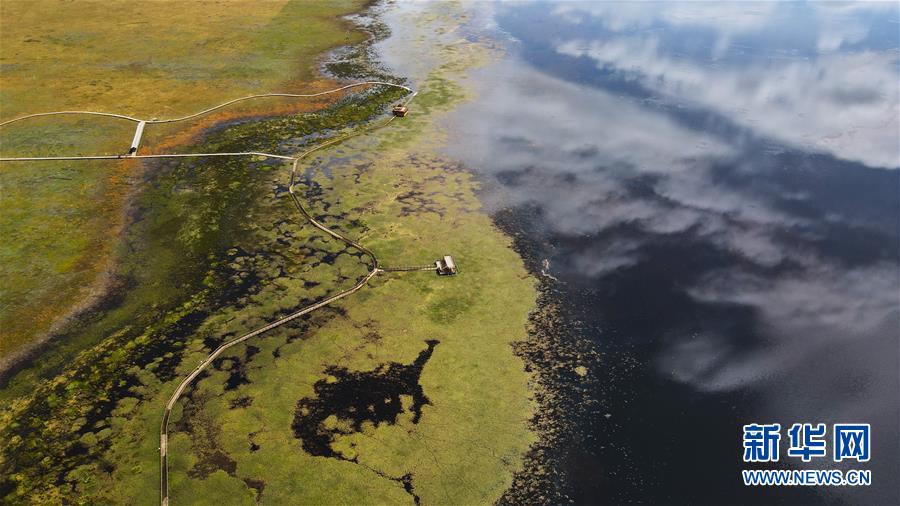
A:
{"x": 714, "y": 190}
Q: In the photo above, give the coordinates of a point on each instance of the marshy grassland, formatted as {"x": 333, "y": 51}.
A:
{"x": 407, "y": 391}
{"x": 60, "y": 220}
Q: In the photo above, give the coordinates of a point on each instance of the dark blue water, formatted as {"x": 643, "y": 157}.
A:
{"x": 715, "y": 188}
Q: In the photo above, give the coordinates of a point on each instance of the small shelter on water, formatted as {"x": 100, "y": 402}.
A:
{"x": 400, "y": 110}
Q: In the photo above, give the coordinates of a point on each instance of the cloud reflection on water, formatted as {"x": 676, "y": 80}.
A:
{"x": 843, "y": 103}
{"x": 768, "y": 161}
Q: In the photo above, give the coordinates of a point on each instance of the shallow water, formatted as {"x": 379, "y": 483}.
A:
{"x": 714, "y": 188}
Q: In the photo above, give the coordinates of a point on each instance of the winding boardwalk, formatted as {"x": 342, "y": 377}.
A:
{"x": 206, "y": 111}
{"x": 374, "y": 267}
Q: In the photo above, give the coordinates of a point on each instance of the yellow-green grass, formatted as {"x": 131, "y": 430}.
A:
{"x": 60, "y": 220}
{"x": 160, "y": 58}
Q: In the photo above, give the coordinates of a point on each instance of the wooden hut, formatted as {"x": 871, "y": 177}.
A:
{"x": 400, "y": 110}
{"x": 445, "y": 266}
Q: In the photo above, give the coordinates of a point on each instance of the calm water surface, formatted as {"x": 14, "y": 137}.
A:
{"x": 715, "y": 188}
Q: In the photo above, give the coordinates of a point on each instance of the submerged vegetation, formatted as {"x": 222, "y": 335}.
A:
{"x": 214, "y": 248}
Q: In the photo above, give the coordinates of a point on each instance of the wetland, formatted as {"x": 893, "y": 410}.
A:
{"x": 211, "y": 248}
{"x": 670, "y": 220}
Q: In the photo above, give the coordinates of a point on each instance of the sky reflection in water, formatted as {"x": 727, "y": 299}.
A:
{"x": 717, "y": 186}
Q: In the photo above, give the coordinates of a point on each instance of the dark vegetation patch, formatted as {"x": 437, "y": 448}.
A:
{"x": 241, "y": 402}
{"x": 419, "y": 198}
{"x": 258, "y": 485}
{"x": 298, "y": 329}
{"x": 355, "y": 397}
{"x": 252, "y": 438}
{"x": 351, "y": 398}
{"x": 205, "y": 434}
{"x": 236, "y": 367}
{"x": 407, "y": 482}
{"x": 417, "y": 202}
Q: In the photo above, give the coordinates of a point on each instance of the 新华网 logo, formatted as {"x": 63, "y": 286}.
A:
{"x": 807, "y": 442}
{"x": 850, "y": 441}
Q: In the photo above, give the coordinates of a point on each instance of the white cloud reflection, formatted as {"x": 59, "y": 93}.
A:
{"x": 618, "y": 179}
{"x": 802, "y": 314}
{"x": 842, "y": 104}
{"x": 841, "y": 23}
{"x": 729, "y": 18}
{"x": 576, "y": 151}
